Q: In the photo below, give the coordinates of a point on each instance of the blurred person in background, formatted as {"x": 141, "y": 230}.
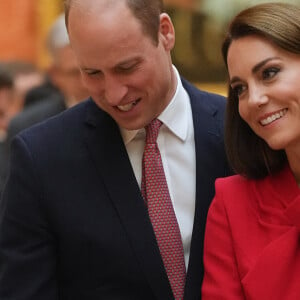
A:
{"x": 6, "y": 99}
{"x": 17, "y": 79}
{"x": 26, "y": 76}
{"x": 62, "y": 89}
{"x": 64, "y": 71}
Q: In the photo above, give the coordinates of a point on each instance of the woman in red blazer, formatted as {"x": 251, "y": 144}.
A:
{"x": 252, "y": 241}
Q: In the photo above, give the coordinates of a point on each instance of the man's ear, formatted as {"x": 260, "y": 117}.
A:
{"x": 167, "y": 31}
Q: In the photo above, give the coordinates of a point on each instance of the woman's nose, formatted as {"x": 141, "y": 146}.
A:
{"x": 257, "y": 96}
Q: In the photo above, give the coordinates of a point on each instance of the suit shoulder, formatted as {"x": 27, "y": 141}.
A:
{"x": 203, "y": 100}
{"x": 195, "y": 91}
{"x": 231, "y": 183}
{"x": 59, "y": 125}
{"x": 34, "y": 114}
{"x": 235, "y": 189}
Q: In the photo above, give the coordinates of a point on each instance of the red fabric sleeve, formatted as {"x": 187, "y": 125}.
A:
{"x": 221, "y": 278}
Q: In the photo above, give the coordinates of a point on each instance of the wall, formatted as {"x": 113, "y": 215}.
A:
{"x": 24, "y": 24}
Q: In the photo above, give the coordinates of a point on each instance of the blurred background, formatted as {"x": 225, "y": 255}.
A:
{"x": 199, "y": 24}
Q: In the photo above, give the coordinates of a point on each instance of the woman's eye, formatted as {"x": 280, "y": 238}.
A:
{"x": 238, "y": 89}
{"x": 269, "y": 73}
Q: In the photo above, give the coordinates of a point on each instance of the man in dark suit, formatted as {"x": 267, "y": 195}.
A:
{"x": 74, "y": 224}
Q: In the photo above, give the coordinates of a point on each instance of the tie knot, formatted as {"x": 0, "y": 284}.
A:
{"x": 152, "y": 130}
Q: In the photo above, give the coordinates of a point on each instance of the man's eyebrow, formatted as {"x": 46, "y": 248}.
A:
{"x": 88, "y": 69}
{"x": 129, "y": 60}
{"x": 120, "y": 64}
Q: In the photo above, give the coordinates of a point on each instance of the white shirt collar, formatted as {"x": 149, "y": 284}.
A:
{"x": 174, "y": 115}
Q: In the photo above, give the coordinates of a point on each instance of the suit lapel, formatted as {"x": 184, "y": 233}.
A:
{"x": 107, "y": 149}
{"x": 207, "y": 134}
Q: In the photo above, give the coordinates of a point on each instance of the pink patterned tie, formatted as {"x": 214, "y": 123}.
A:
{"x": 156, "y": 194}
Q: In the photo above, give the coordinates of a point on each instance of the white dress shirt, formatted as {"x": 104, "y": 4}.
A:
{"x": 177, "y": 148}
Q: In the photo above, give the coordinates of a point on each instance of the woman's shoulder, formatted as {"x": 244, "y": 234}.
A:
{"x": 234, "y": 182}
{"x": 278, "y": 183}
{"x": 236, "y": 192}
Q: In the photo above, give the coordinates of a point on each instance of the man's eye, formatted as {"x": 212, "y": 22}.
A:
{"x": 127, "y": 68}
{"x": 92, "y": 73}
{"x": 269, "y": 73}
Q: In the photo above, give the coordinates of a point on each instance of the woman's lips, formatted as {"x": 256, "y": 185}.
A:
{"x": 273, "y": 117}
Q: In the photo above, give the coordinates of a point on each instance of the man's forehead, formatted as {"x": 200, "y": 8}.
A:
{"x": 92, "y": 5}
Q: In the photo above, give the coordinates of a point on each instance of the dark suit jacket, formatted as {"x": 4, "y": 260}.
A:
{"x": 3, "y": 164}
{"x": 73, "y": 222}
{"x": 34, "y": 113}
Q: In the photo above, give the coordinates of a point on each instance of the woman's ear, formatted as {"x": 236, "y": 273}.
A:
{"x": 167, "y": 31}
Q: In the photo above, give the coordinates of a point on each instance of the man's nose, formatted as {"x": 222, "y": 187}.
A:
{"x": 115, "y": 90}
